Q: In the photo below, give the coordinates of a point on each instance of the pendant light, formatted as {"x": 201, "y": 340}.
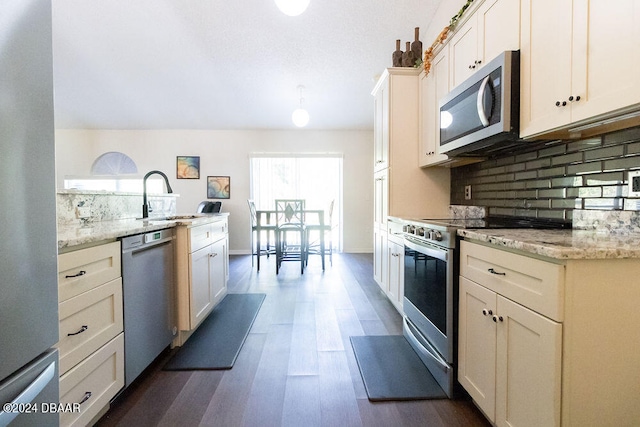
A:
{"x": 300, "y": 116}
{"x": 292, "y": 7}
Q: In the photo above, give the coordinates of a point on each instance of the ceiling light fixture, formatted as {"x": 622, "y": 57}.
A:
{"x": 300, "y": 116}
{"x": 292, "y": 7}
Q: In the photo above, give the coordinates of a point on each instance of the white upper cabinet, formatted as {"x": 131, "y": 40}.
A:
{"x": 606, "y": 56}
{"x": 545, "y": 64}
{"x": 493, "y": 28}
{"x": 464, "y": 52}
{"x": 579, "y": 60}
{"x": 433, "y": 87}
{"x": 381, "y": 126}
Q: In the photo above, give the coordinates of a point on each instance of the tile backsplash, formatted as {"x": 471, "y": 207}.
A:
{"x": 550, "y": 180}
{"x": 109, "y": 206}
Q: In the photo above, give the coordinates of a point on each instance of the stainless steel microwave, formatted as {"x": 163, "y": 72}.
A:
{"x": 482, "y": 114}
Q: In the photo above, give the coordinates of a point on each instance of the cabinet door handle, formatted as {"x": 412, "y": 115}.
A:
{"x": 497, "y": 319}
{"x": 87, "y": 396}
{"x": 486, "y": 312}
{"x": 492, "y": 271}
{"x": 81, "y": 273}
{"x": 213, "y": 255}
{"x": 84, "y": 328}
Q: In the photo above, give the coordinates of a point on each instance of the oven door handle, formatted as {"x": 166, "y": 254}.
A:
{"x": 427, "y": 351}
{"x": 426, "y": 249}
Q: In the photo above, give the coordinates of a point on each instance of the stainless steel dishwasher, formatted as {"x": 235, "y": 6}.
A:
{"x": 148, "y": 292}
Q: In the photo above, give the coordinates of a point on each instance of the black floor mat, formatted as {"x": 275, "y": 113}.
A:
{"x": 391, "y": 369}
{"x": 218, "y": 340}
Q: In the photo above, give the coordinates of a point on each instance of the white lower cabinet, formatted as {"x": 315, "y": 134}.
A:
{"x": 201, "y": 291}
{"x": 202, "y": 260}
{"x": 92, "y": 383}
{"x": 549, "y": 342}
{"x": 395, "y": 262}
{"x": 509, "y": 358}
{"x": 91, "y": 341}
{"x": 208, "y": 279}
{"x": 87, "y": 321}
{"x": 380, "y": 267}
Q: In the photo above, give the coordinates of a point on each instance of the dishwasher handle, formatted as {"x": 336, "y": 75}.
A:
{"x": 148, "y": 247}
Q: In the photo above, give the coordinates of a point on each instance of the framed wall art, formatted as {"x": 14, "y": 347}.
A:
{"x": 188, "y": 167}
{"x": 218, "y": 187}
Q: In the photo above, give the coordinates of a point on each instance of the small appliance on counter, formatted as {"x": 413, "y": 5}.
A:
{"x": 209, "y": 207}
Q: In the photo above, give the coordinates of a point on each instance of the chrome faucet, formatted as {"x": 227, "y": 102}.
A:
{"x": 145, "y": 205}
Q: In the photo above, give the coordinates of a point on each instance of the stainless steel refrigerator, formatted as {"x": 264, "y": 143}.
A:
{"x": 28, "y": 248}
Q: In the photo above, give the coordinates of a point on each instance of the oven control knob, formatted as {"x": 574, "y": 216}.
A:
{"x": 420, "y": 231}
{"x": 436, "y": 235}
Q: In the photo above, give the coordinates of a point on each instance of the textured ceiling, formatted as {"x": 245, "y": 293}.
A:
{"x": 213, "y": 64}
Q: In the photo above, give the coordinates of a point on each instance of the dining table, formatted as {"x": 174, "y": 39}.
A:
{"x": 266, "y": 221}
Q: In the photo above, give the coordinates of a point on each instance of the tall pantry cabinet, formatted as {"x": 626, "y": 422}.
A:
{"x": 401, "y": 188}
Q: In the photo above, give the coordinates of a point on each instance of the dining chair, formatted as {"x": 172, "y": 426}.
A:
{"x": 260, "y": 222}
{"x": 290, "y": 232}
{"x": 322, "y": 243}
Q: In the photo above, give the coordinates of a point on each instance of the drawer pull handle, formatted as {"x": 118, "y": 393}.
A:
{"x": 486, "y": 312}
{"x": 87, "y": 396}
{"x": 213, "y": 255}
{"x": 84, "y": 328}
{"x": 492, "y": 271}
{"x": 81, "y": 273}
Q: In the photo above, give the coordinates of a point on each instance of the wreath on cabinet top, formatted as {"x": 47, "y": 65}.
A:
{"x": 428, "y": 54}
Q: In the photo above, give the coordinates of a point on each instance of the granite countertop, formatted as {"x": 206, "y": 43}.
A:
{"x": 561, "y": 244}
{"x": 92, "y": 232}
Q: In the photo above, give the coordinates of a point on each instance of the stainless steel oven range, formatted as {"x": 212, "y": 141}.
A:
{"x": 430, "y": 297}
{"x": 431, "y": 271}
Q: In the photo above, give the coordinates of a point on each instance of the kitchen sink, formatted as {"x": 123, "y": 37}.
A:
{"x": 191, "y": 216}
{"x": 173, "y": 217}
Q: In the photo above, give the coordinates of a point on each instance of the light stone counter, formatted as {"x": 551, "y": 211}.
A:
{"x": 72, "y": 235}
{"x": 561, "y": 244}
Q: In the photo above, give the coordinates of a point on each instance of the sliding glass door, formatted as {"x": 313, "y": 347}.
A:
{"x": 317, "y": 178}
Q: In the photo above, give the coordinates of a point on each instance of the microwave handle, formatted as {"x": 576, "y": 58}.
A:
{"x": 480, "y": 102}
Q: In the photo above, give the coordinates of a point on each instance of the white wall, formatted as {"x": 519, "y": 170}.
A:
{"x": 227, "y": 153}
{"x": 446, "y": 10}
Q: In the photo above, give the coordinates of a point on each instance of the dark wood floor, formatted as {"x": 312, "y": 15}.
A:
{"x": 296, "y": 367}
